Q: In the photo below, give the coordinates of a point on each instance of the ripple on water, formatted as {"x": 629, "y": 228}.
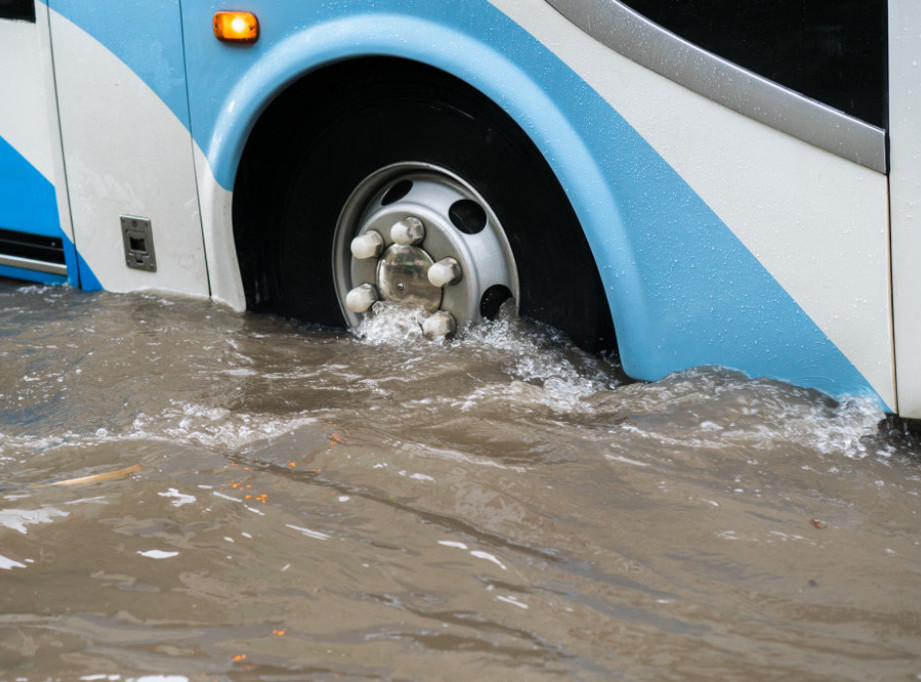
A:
{"x": 306, "y": 503}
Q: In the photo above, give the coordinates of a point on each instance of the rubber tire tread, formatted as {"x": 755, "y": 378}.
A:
{"x": 418, "y": 114}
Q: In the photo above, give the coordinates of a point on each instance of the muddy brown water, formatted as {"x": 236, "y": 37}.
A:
{"x": 283, "y": 503}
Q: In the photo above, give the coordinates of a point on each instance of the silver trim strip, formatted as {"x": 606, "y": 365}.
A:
{"x": 648, "y": 44}
{"x": 29, "y": 264}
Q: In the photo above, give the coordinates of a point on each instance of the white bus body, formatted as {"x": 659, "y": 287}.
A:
{"x": 723, "y": 217}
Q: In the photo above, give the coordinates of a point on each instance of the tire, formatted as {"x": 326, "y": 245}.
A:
{"x": 410, "y": 122}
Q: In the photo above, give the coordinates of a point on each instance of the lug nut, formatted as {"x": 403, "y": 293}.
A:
{"x": 367, "y": 245}
{"x": 408, "y": 231}
{"x": 445, "y": 272}
{"x": 362, "y": 297}
{"x": 439, "y": 324}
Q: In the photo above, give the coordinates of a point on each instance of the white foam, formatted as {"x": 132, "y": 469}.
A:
{"x": 479, "y": 554}
{"x": 512, "y": 601}
{"x": 315, "y": 534}
{"x": 158, "y": 554}
{"x": 178, "y": 499}
{"x": 19, "y": 519}
{"x": 391, "y": 324}
{"x": 626, "y": 460}
{"x": 8, "y": 564}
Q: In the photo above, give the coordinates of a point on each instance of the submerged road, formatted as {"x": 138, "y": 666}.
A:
{"x": 247, "y": 499}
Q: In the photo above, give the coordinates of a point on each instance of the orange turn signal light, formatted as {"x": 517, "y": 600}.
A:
{"x": 236, "y": 27}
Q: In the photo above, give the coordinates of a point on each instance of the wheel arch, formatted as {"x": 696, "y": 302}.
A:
{"x": 520, "y": 93}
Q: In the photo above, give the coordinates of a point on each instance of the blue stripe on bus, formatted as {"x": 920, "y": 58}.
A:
{"x": 28, "y": 203}
{"x": 88, "y": 279}
{"x": 684, "y": 291}
{"x": 27, "y": 198}
{"x": 31, "y": 275}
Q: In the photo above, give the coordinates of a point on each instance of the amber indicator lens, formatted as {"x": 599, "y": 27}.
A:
{"x": 236, "y": 27}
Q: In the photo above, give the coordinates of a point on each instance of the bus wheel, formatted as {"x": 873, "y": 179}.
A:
{"x": 417, "y": 234}
{"x": 414, "y": 188}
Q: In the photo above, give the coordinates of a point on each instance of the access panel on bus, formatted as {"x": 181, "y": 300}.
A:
{"x": 121, "y": 91}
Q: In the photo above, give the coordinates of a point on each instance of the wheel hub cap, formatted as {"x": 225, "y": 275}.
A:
{"x": 402, "y": 277}
{"x": 418, "y": 235}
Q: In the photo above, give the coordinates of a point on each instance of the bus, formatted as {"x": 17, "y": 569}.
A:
{"x": 687, "y": 182}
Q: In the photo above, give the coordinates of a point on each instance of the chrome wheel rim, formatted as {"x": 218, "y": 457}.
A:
{"x": 417, "y": 235}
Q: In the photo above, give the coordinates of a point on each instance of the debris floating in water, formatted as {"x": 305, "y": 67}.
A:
{"x": 92, "y": 478}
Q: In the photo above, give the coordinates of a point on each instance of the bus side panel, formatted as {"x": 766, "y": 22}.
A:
{"x": 684, "y": 285}
{"x": 127, "y": 147}
{"x": 905, "y": 180}
{"x": 697, "y": 273}
{"x": 30, "y": 155}
{"x": 818, "y": 223}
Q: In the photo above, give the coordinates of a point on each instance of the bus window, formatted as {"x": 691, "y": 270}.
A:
{"x": 17, "y": 9}
{"x": 830, "y": 50}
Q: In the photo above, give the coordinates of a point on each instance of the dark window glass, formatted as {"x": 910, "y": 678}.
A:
{"x": 831, "y": 50}
{"x": 17, "y": 9}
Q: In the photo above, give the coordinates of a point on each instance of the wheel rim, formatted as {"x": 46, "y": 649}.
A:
{"x": 418, "y": 235}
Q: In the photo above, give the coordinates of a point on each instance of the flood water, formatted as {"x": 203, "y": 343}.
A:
{"x": 187, "y": 494}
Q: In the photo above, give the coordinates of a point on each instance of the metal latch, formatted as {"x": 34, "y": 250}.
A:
{"x": 138, "y": 238}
